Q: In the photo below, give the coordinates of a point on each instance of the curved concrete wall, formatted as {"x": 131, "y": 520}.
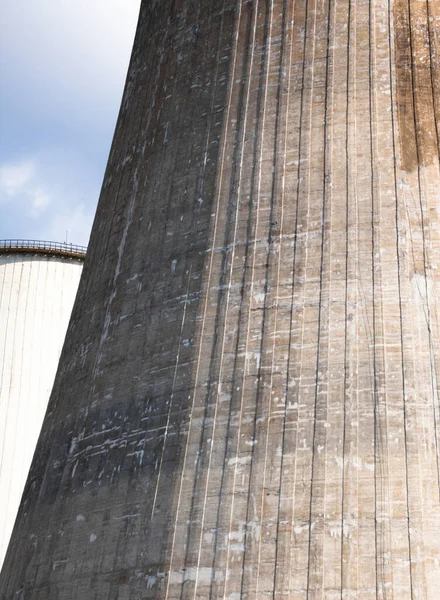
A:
{"x": 36, "y": 299}
{"x": 247, "y": 406}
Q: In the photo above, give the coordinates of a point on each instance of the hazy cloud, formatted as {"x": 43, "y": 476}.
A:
{"x": 40, "y": 202}
{"x": 14, "y": 177}
{"x": 62, "y": 71}
{"x": 43, "y": 197}
{"x": 19, "y": 182}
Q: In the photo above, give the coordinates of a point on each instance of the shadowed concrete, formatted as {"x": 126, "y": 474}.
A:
{"x": 247, "y": 401}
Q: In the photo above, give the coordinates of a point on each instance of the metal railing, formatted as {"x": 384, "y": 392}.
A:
{"x": 42, "y": 247}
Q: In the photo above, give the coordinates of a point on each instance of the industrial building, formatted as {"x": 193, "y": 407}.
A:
{"x": 38, "y": 284}
{"x": 247, "y": 401}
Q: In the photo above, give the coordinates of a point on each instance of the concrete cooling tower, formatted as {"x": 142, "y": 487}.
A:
{"x": 38, "y": 284}
{"x": 247, "y": 404}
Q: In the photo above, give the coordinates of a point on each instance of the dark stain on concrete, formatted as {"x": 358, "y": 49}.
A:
{"x": 415, "y": 92}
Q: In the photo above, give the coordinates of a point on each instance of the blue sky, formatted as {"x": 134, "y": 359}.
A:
{"x": 62, "y": 71}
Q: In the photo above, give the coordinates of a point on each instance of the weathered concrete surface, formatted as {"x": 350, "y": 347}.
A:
{"x": 247, "y": 404}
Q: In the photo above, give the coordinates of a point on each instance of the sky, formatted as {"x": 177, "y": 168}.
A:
{"x": 62, "y": 71}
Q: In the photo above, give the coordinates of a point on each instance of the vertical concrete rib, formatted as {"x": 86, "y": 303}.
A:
{"x": 247, "y": 405}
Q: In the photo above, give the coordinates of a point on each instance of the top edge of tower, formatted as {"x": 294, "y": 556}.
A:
{"x": 44, "y": 247}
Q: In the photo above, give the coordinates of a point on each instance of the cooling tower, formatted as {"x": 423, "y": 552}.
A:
{"x": 247, "y": 401}
{"x": 38, "y": 284}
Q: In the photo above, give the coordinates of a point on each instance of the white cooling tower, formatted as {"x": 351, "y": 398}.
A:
{"x": 38, "y": 284}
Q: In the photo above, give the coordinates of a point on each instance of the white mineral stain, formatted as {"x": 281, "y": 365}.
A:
{"x": 208, "y": 536}
{"x": 335, "y": 531}
{"x": 239, "y": 461}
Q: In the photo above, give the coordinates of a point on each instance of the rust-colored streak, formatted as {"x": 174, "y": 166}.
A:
{"x": 433, "y": 9}
{"x": 415, "y": 85}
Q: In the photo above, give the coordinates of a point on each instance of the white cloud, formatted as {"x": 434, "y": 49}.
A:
{"x": 47, "y": 195}
{"x": 14, "y": 177}
{"x": 40, "y": 201}
{"x": 20, "y": 183}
